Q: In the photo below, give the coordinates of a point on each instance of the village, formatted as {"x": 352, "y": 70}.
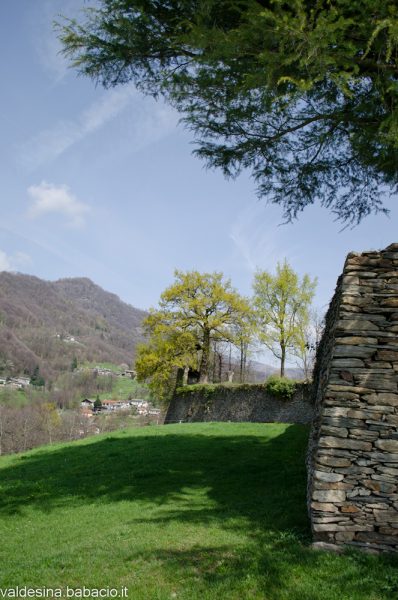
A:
{"x": 89, "y": 407}
{"x": 139, "y": 407}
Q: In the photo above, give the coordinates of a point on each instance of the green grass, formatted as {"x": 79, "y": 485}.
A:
{"x": 125, "y": 387}
{"x": 197, "y": 511}
{"x": 13, "y": 397}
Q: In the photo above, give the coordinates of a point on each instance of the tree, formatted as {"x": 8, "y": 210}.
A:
{"x": 309, "y": 335}
{"x": 73, "y": 365}
{"x": 37, "y": 379}
{"x": 97, "y": 404}
{"x": 282, "y": 303}
{"x": 160, "y": 359}
{"x": 195, "y": 311}
{"x": 303, "y": 93}
{"x": 6, "y": 366}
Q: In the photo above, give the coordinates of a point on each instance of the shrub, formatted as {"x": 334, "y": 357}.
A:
{"x": 281, "y": 387}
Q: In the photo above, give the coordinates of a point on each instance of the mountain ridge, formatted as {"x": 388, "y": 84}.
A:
{"x": 47, "y": 323}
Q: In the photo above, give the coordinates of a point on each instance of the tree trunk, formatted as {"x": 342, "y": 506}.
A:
{"x": 283, "y": 358}
{"x": 185, "y": 376}
{"x": 204, "y": 363}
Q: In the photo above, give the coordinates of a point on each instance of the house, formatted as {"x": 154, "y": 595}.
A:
{"x": 18, "y": 382}
{"x": 154, "y": 411}
{"x": 86, "y": 402}
{"x": 129, "y": 373}
{"x": 24, "y": 381}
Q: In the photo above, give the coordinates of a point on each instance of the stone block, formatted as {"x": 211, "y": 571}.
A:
{"x": 324, "y": 507}
{"x": 386, "y": 516}
{"x": 363, "y": 414}
{"x": 333, "y": 461}
{"x": 336, "y": 442}
{"x": 327, "y": 476}
{"x": 387, "y": 445}
{"x": 388, "y": 398}
{"x": 347, "y": 362}
{"x": 356, "y": 340}
{"x": 356, "y": 325}
{"x": 338, "y": 431}
{"x": 350, "y": 508}
{"x": 387, "y": 355}
{"x": 329, "y": 495}
{"x": 379, "y": 486}
{"x": 383, "y": 457}
{"x": 390, "y": 302}
{"x": 354, "y": 389}
{"x": 376, "y": 537}
{"x": 351, "y": 351}
{"x": 325, "y": 547}
{"x": 336, "y": 411}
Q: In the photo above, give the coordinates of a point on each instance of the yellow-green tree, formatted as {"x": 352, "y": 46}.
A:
{"x": 196, "y": 310}
{"x": 282, "y": 302}
{"x": 159, "y": 360}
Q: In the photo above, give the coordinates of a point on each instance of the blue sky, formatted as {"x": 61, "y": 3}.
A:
{"x": 103, "y": 184}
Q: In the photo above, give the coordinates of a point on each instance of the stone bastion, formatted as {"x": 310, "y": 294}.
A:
{"x": 353, "y": 450}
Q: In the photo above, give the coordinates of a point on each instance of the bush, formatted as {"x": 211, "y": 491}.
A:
{"x": 281, "y": 387}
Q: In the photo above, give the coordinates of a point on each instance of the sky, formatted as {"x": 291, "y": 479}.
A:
{"x": 103, "y": 184}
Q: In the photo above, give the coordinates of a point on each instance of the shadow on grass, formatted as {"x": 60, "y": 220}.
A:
{"x": 262, "y": 479}
{"x": 249, "y": 482}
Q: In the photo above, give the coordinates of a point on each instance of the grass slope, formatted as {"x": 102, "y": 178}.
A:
{"x": 209, "y": 511}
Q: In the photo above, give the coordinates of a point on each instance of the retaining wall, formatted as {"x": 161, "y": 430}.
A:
{"x": 238, "y": 403}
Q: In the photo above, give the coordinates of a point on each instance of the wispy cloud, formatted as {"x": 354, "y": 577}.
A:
{"x": 57, "y": 199}
{"x": 51, "y": 143}
{"x": 261, "y": 242}
{"x": 45, "y": 38}
{"x": 14, "y": 262}
{"x": 48, "y": 49}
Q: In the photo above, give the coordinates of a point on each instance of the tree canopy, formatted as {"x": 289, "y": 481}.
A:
{"x": 301, "y": 93}
{"x": 196, "y": 310}
{"x": 282, "y": 302}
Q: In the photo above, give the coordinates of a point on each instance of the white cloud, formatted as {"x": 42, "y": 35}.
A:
{"x": 51, "y": 143}
{"x": 14, "y": 262}
{"x": 261, "y": 242}
{"x": 45, "y": 38}
{"x": 57, "y": 199}
{"x": 48, "y": 48}
{"x": 148, "y": 122}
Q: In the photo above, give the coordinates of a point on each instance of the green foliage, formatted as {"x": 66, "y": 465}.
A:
{"x": 73, "y": 365}
{"x": 282, "y": 302}
{"x": 97, "y": 403}
{"x": 196, "y": 310}
{"x": 302, "y": 93}
{"x": 194, "y": 512}
{"x": 280, "y": 387}
{"x": 36, "y": 379}
{"x": 207, "y": 389}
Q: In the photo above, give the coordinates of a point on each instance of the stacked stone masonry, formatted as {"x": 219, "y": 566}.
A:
{"x": 353, "y": 453}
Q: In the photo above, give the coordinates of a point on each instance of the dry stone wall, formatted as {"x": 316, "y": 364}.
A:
{"x": 238, "y": 403}
{"x": 353, "y": 452}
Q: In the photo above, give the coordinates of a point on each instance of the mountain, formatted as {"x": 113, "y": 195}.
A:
{"x": 48, "y": 323}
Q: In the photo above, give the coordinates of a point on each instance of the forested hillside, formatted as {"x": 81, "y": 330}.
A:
{"x": 47, "y": 324}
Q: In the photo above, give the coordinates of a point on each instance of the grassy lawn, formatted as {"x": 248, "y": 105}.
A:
{"x": 197, "y": 511}
{"x": 125, "y": 388}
